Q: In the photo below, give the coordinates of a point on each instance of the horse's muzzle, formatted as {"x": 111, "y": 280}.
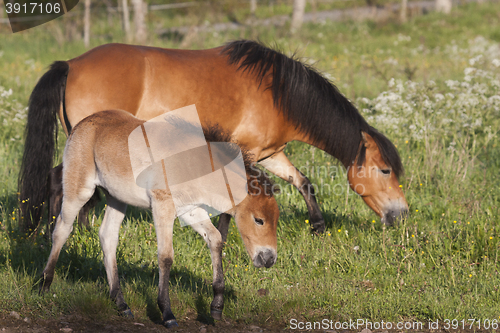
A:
{"x": 264, "y": 257}
{"x": 394, "y": 215}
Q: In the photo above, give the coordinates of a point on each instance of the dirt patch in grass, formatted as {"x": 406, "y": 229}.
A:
{"x": 75, "y": 323}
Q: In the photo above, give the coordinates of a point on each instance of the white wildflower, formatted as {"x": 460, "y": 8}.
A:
{"x": 439, "y": 97}
{"x": 469, "y": 70}
{"x": 475, "y": 59}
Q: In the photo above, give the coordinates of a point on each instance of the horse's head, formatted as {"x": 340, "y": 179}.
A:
{"x": 374, "y": 176}
{"x": 257, "y": 219}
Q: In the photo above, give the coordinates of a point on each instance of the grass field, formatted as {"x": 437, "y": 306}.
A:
{"x": 431, "y": 85}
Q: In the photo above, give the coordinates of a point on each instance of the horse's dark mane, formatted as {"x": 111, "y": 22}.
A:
{"x": 311, "y": 102}
{"x": 214, "y": 133}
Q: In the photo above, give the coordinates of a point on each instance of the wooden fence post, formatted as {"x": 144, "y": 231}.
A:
{"x": 86, "y": 24}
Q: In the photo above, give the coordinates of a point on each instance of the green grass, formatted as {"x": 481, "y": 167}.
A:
{"x": 442, "y": 263}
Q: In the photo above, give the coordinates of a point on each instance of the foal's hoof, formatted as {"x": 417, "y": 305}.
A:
{"x": 128, "y": 314}
{"x": 216, "y": 314}
{"x": 170, "y": 323}
{"x": 44, "y": 284}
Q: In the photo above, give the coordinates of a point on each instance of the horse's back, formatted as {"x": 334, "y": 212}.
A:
{"x": 144, "y": 81}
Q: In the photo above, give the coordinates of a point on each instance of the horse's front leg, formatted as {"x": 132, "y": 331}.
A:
{"x": 279, "y": 165}
{"x": 164, "y": 217}
{"x": 223, "y": 226}
{"x": 200, "y": 222}
{"x": 109, "y": 235}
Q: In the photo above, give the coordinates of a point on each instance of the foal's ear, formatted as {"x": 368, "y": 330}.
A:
{"x": 276, "y": 189}
{"x": 368, "y": 141}
{"x": 271, "y": 188}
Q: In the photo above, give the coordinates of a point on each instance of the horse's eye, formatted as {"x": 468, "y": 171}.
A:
{"x": 386, "y": 171}
{"x": 259, "y": 221}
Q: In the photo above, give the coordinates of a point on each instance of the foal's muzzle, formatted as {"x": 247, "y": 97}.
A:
{"x": 264, "y": 257}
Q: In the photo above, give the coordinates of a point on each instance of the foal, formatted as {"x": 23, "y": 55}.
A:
{"x": 97, "y": 154}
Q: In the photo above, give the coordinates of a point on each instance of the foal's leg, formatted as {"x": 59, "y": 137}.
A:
{"x": 283, "y": 168}
{"x": 214, "y": 241}
{"x": 164, "y": 217}
{"x": 56, "y": 196}
{"x": 109, "y": 236}
{"x": 83, "y": 215}
{"x": 73, "y": 201}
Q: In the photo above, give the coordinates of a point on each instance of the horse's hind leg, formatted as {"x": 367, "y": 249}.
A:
{"x": 202, "y": 225}
{"x": 164, "y": 217}
{"x": 109, "y": 236}
{"x": 73, "y": 201}
{"x": 283, "y": 168}
{"x": 55, "y": 195}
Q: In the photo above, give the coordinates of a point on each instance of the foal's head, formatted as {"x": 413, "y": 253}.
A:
{"x": 257, "y": 215}
{"x": 374, "y": 176}
{"x": 257, "y": 219}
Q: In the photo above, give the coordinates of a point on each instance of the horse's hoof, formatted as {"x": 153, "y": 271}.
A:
{"x": 318, "y": 226}
{"x": 128, "y": 314}
{"x": 216, "y": 314}
{"x": 170, "y": 323}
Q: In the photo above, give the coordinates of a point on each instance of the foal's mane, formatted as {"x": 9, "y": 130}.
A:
{"x": 214, "y": 133}
{"x": 312, "y": 103}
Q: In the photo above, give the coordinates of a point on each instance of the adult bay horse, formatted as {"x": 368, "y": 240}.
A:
{"x": 263, "y": 98}
{"x": 97, "y": 154}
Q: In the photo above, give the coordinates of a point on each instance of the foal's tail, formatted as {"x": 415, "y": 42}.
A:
{"x": 41, "y": 137}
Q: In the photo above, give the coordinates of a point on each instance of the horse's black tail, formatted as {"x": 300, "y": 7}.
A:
{"x": 41, "y": 138}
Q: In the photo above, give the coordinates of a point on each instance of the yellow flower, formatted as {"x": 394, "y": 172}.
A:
{"x": 491, "y": 237}
{"x": 406, "y": 141}
{"x": 420, "y": 184}
{"x": 338, "y": 230}
{"x": 468, "y": 222}
{"x": 401, "y": 186}
{"x": 307, "y": 221}
{"x": 454, "y": 221}
{"x": 416, "y": 210}
{"x": 329, "y": 234}
{"x": 470, "y": 275}
{"x": 373, "y": 221}
{"x": 235, "y": 265}
{"x": 412, "y": 235}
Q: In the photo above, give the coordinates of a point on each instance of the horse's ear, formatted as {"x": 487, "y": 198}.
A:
{"x": 368, "y": 141}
